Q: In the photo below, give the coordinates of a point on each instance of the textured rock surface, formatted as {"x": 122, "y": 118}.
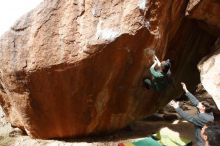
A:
{"x": 210, "y": 73}
{"x": 73, "y": 68}
{"x": 206, "y": 11}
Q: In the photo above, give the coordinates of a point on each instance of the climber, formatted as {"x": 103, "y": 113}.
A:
{"x": 161, "y": 76}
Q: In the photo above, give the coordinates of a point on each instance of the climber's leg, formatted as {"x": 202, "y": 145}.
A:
{"x": 147, "y": 83}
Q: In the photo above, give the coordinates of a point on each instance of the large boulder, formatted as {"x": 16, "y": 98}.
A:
{"x": 75, "y": 68}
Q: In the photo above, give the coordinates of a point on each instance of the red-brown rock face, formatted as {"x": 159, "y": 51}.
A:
{"x": 73, "y": 68}
{"x": 205, "y": 10}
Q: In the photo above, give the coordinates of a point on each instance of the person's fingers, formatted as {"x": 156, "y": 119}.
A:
{"x": 183, "y": 84}
{"x": 172, "y": 103}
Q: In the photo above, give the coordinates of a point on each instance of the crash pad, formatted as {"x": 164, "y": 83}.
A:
{"x": 169, "y": 137}
{"x": 148, "y": 141}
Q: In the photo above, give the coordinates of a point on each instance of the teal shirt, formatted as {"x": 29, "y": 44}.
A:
{"x": 160, "y": 81}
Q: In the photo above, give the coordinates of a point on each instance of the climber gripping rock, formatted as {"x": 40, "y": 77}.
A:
{"x": 161, "y": 75}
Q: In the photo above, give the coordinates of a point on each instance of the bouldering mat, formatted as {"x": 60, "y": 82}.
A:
{"x": 148, "y": 141}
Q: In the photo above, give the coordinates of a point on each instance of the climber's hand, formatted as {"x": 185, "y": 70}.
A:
{"x": 184, "y": 87}
{"x": 174, "y": 104}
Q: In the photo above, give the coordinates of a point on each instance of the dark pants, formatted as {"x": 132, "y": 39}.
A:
{"x": 148, "y": 83}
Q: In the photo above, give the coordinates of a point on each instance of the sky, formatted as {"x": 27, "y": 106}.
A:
{"x": 12, "y": 10}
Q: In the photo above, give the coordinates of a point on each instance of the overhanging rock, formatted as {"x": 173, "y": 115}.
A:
{"x": 74, "y": 68}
